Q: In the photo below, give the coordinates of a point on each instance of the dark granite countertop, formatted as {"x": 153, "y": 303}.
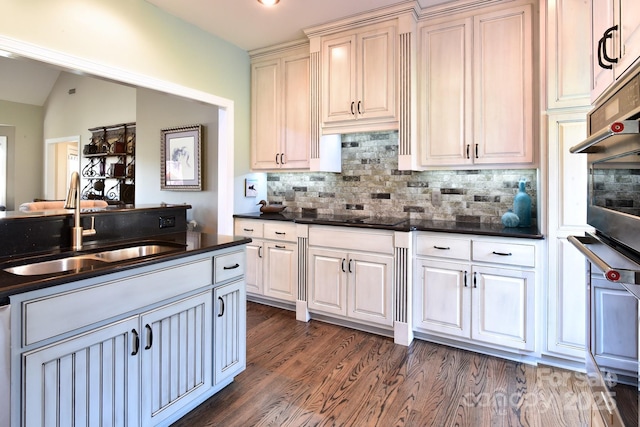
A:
{"x": 187, "y": 243}
{"x": 400, "y": 224}
{"x": 19, "y": 215}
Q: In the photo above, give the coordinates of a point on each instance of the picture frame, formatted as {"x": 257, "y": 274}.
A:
{"x": 250, "y": 187}
{"x": 181, "y": 158}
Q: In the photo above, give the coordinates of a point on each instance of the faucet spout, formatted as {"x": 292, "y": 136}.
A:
{"x": 73, "y": 202}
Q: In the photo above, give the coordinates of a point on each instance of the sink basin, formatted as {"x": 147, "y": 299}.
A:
{"x": 76, "y": 263}
{"x": 134, "y": 252}
{"x": 90, "y": 261}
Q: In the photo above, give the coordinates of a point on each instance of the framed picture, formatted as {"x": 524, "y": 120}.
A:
{"x": 180, "y": 157}
{"x": 250, "y": 187}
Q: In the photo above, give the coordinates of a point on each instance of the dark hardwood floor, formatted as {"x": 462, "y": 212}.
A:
{"x": 316, "y": 374}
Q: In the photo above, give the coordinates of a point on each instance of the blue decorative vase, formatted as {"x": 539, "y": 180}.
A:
{"x": 509, "y": 219}
{"x": 522, "y": 206}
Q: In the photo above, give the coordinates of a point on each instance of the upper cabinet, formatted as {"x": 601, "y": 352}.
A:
{"x": 476, "y": 90}
{"x": 615, "y": 41}
{"x": 359, "y": 79}
{"x": 280, "y": 110}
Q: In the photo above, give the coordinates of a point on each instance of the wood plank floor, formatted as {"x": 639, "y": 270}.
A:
{"x": 316, "y": 374}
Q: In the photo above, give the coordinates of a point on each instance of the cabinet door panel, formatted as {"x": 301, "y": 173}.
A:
{"x": 377, "y": 70}
{"x": 265, "y": 115}
{"x": 176, "y": 356}
{"x": 503, "y": 86}
{"x": 253, "y": 274}
{"x": 445, "y": 91}
{"x": 327, "y": 281}
{"x": 91, "y": 379}
{"x": 281, "y": 271}
{"x": 629, "y": 16}
{"x": 339, "y": 79}
{"x": 503, "y": 307}
{"x": 296, "y": 125}
{"x": 443, "y": 298}
{"x": 230, "y": 316}
{"x": 370, "y": 286}
{"x": 601, "y": 20}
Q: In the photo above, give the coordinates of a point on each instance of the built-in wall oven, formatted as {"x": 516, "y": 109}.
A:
{"x": 613, "y": 254}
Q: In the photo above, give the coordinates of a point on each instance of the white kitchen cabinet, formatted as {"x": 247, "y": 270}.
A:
{"x": 280, "y": 109}
{"x": 352, "y": 284}
{"x": 474, "y": 289}
{"x": 175, "y": 347}
{"x": 351, "y": 274}
{"x": 359, "y": 78}
{"x": 229, "y": 318}
{"x": 615, "y": 43}
{"x": 138, "y": 349}
{"x": 475, "y": 101}
{"x": 92, "y": 378}
{"x": 272, "y": 258}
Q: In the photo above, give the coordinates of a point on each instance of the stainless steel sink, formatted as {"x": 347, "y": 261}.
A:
{"x": 75, "y": 263}
{"x": 133, "y": 252}
{"x": 90, "y": 261}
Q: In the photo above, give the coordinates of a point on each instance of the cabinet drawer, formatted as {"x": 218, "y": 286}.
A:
{"x": 352, "y": 239}
{"x": 280, "y": 230}
{"x": 228, "y": 266}
{"x": 64, "y": 312}
{"x": 248, "y": 228}
{"x": 504, "y": 253}
{"x": 443, "y": 247}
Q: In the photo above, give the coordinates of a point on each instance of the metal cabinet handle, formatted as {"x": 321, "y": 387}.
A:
{"x": 442, "y": 248}
{"x": 502, "y": 253}
{"x": 282, "y": 160}
{"x": 465, "y": 278}
{"x": 259, "y": 251}
{"x": 352, "y": 112}
{"x": 136, "y": 342}
{"x": 250, "y": 230}
{"x": 342, "y": 265}
{"x": 221, "y": 307}
{"x": 350, "y": 266}
{"x": 476, "y": 151}
{"x": 601, "y": 47}
{"x": 280, "y": 233}
{"x": 149, "y": 337}
{"x": 277, "y": 154}
{"x": 281, "y": 247}
{"x": 236, "y": 265}
{"x": 359, "y": 104}
{"x": 467, "y": 151}
{"x": 475, "y": 279}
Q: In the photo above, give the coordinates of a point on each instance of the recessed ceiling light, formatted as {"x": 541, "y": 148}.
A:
{"x": 269, "y": 2}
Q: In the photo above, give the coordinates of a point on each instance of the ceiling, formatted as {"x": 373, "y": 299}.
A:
{"x": 250, "y": 25}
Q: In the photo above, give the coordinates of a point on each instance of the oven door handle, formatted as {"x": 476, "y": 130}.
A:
{"x": 611, "y": 274}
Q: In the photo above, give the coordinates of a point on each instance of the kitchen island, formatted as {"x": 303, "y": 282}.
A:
{"x": 133, "y": 341}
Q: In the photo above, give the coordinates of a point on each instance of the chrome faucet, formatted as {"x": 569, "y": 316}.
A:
{"x": 73, "y": 202}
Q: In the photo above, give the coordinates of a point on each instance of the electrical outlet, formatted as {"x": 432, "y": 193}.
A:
{"x": 167, "y": 221}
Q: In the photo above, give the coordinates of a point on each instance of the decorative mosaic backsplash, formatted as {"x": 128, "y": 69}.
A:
{"x": 371, "y": 185}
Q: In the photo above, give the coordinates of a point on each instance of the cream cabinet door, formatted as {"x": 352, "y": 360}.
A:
{"x": 370, "y": 288}
{"x": 265, "y": 114}
{"x": 339, "y": 78}
{"x": 176, "y": 347}
{"x": 328, "y": 281}
{"x": 602, "y": 19}
{"x": 503, "y": 307}
{"x": 254, "y": 272}
{"x": 281, "y": 270}
{"x": 503, "y": 87}
{"x": 443, "y": 295}
{"x": 295, "y": 128}
{"x": 629, "y": 24}
{"x": 445, "y": 93}
{"x": 230, "y": 318}
{"x": 90, "y": 379}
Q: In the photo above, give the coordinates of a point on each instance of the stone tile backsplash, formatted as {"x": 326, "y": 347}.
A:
{"x": 371, "y": 185}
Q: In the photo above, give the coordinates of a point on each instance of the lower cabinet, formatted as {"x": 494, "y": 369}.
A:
{"x": 230, "y": 331}
{"x": 107, "y": 362}
{"x": 352, "y": 284}
{"x": 272, "y": 258}
{"x": 460, "y": 292}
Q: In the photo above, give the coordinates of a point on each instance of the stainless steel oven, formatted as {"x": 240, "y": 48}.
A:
{"x": 613, "y": 254}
